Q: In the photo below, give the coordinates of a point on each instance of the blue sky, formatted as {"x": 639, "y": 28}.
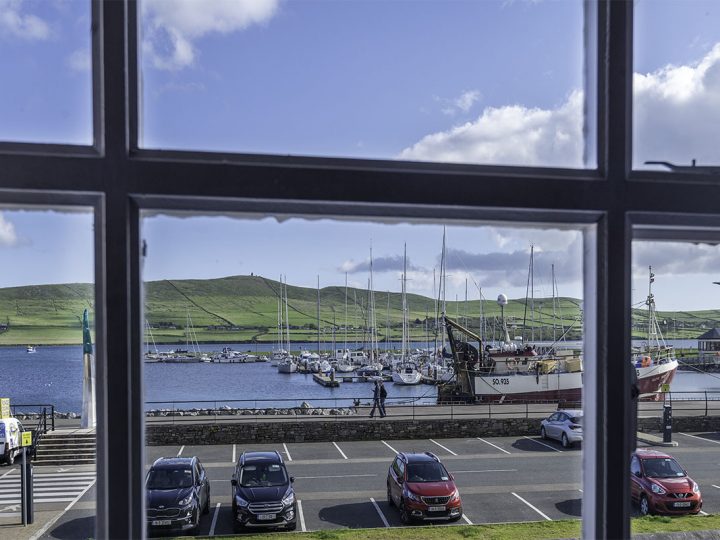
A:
{"x": 469, "y": 81}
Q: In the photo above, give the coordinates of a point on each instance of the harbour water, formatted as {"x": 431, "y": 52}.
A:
{"x": 53, "y": 375}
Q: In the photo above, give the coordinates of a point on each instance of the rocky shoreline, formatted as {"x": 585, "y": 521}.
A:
{"x": 305, "y": 409}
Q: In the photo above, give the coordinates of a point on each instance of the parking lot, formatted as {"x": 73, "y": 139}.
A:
{"x": 342, "y": 484}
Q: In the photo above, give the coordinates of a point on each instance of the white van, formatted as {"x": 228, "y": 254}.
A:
{"x": 10, "y": 439}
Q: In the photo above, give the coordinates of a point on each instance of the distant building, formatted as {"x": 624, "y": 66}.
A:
{"x": 709, "y": 346}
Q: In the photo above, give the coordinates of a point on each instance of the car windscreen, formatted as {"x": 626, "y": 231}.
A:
{"x": 262, "y": 475}
{"x": 662, "y": 468}
{"x": 169, "y": 478}
{"x": 430, "y": 471}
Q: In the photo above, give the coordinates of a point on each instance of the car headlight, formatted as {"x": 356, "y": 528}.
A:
{"x": 696, "y": 488}
{"x": 239, "y": 501}
{"x": 657, "y": 489}
{"x": 289, "y": 498}
{"x": 186, "y": 501}
{"x": 412, "y": 496}
{"x": 455, "y": 496}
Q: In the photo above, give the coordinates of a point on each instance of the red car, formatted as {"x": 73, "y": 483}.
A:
{"x": 422, "y": 489}
{"x": 660, "y": 485}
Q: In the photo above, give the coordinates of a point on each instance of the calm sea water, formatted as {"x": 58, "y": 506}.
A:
{"x": 53, "y": 375}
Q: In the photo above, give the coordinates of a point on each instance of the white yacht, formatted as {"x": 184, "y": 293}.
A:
{"x": 287, "y": 365}
{"x": 407, "y": 374}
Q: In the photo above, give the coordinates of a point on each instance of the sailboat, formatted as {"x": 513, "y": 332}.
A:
{"x": 186, "y": 356}
{"x": 655, "y": 364}
{"x": 406, "y": 372}
{"x": 287, "y": 363}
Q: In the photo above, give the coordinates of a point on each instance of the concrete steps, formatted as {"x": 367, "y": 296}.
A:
{"x": 66, "y": 447}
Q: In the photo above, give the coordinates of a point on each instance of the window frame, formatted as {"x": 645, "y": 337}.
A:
{"x": 119, "y": 180}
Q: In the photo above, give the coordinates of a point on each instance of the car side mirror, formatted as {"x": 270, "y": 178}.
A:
{"x": 292, "y": 479}
{"x": 638, "y": 474}
{"x": 233, "y": 482}
{"x": 452, "y": 476}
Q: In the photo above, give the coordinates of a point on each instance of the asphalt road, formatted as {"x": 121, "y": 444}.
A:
{"x": 342, "y": 485}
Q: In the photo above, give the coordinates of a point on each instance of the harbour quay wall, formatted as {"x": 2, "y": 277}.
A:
{"x": 322, "y": 430}
{"x": 326, "y": 430}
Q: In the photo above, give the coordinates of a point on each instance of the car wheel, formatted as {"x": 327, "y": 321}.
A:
{"x": 206, "y": 509}
{"x": 564, "y": 441}
{"x": 644, "y": 506}
{"x": 404, "y": 515}
{"x": 389, "y": 497}
{"x": 11, "y": 458}
{"x": 543, "y": 435}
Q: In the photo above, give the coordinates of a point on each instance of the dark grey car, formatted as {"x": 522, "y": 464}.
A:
{"x": 177, "y": 491}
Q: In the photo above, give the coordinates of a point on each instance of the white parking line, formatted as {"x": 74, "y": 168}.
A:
{"x": 542, "y": 443}
{"x": 10, "y": 471}
{"x": 701, "y": 438}
{"x": 61, "y": 514}
{"x": 467, "y": 519}
{"x": 214, "y": 520}
{"x": 302, "y": 516}
{"x": 287, "y": 452}
{"x": 234, "y": 453}
{"x": 390, "y": 447}
{"x": 443, "y": 447}
{"x": 703, "y": 513}
{"x": 382, "y": 516}
{"x": 713, "y": 485}
{"x": 493, "y": 445}
{"x": 181, "y": 450}
{"x": 531, "y": 506}
{"x": 341, "y": 452}
{"x": 335, "y": 476}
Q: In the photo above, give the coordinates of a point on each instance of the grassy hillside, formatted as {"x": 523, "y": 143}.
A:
{"x": 245, "y": 308}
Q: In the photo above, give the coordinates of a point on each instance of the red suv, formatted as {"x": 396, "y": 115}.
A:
{"x": 422, "y": 488}
{"x": 660, "y": 485}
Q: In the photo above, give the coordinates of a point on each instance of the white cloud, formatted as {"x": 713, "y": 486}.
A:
{"x": 462, "y": 103}
{"x": 677, "y": 112}
{"x": 171, "y": 28}
{"x": 8, "y": 236}
{"x": 15, "y": 23}
{"x": 510, "y": 135}
{"x": 675, "y": 258}
{"x": 676, "y": 118}
{"x": 79, "y": 60}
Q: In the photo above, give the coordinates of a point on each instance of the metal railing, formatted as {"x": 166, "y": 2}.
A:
{"x": 702, "y": 403}
{"x": 337, "y": 409}
{"x": 45, "y": 412}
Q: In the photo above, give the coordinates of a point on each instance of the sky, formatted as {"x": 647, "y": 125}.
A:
{"x": 498, "y": 82}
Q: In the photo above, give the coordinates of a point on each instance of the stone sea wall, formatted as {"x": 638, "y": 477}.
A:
{"x": 325, "y": 430}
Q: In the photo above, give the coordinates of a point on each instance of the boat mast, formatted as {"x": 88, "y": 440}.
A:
{"x": 404, "y": 305}
{"x": 318, "y": 313}
{"x": 346, "y": 317}
{"x": 532, "y": 292}
{"x": 287, "y": 317}
{"x": 651, "y": 310}
{"x": 552, "y": 269}
{"x": 279, "y": 318}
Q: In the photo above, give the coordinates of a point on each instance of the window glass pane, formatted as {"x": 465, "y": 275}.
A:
{"x": 674, "y": 312}
{"x": 676, "y": 84}
{"x": 47, "y": 367}
{"x": 46, "y": 90}
{"x": 269, "y": 334}
{"x": 491, "y": 82}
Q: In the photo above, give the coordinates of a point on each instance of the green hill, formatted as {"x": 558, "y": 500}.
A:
{"x": 245, "y": 308}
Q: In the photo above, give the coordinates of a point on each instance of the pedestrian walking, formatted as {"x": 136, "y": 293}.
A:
{"x": 376, "y": 401}
{"x": 383, "y": 395}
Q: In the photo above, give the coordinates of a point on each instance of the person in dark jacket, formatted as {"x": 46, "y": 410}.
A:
{"x": 378, "y": 400}
{"x": 383, "y": 395}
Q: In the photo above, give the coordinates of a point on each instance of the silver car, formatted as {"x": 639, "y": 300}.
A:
{"x": 564, "y": 426}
